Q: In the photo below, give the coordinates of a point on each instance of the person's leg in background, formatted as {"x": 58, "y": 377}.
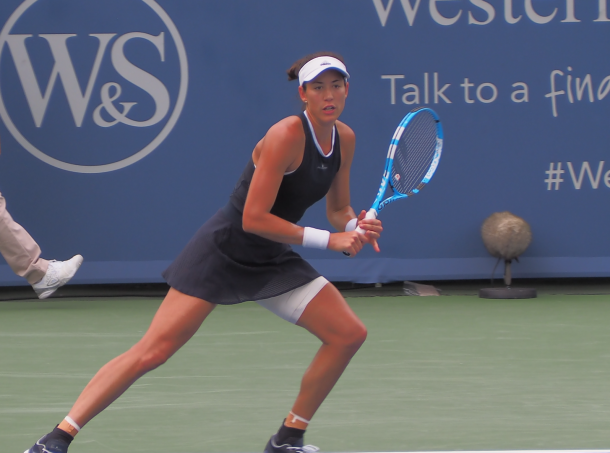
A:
{"x": 22, "y": 254}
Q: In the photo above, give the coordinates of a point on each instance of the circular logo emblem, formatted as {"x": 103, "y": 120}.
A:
{"x": 91, "y": 87}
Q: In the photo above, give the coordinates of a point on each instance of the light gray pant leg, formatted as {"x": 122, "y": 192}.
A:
{"x": 19, "y": 249}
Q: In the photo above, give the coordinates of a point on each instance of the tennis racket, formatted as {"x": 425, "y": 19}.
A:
{"x": 414, "y": 153}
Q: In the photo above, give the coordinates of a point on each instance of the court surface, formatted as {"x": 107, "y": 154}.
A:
{"x": 445, "y": 373}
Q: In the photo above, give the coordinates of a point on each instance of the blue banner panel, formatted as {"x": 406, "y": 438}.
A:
{"x": 125, "y": 124}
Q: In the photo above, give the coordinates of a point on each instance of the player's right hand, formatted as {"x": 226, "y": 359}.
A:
{"x": 372, "y": 229}
{"x": 348, "y": 242}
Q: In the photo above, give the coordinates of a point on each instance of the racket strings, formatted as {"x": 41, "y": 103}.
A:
{"x": 414, "y": 153}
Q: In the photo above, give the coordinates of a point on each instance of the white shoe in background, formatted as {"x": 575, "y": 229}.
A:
{"x": 58, "y": 274}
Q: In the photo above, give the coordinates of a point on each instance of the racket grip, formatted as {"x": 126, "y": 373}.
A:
{"x": 371, "y": 214}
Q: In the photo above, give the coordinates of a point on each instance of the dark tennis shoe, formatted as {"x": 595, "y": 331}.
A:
{"x": 272, "y": 447}
{"x": 45, "y": 445}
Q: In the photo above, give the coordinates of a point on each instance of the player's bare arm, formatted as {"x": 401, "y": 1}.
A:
{"x": 280, "y": 151}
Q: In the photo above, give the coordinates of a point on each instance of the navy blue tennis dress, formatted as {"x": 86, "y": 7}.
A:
{"x": 225, "y": 265}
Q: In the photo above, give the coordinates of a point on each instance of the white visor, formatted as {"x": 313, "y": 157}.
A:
{"x": 313, "y": 68}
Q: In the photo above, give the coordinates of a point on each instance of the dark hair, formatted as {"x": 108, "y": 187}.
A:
{"x": 293, "y": 72}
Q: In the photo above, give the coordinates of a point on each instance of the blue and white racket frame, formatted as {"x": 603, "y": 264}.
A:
{"x": 379, "y": 203}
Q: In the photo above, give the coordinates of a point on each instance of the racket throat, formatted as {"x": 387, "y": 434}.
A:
{"x": 371, "y": 214}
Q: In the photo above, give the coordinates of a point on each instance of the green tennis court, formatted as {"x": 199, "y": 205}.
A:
{"x": 436, "y": 373}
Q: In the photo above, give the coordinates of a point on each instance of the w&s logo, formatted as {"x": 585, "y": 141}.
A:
{"x": 93, "y": 86}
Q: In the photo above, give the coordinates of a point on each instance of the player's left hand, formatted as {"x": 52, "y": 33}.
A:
{"x": 372, "y": 228}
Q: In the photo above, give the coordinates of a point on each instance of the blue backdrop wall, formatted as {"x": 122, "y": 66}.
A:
{"x": 126, "y": 123}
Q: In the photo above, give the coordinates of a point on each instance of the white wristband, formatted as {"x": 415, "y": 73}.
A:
{"x": 351, "y": 225}
{"x": 315, "y": 239}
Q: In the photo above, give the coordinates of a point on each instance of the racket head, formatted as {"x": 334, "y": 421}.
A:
{"x": 413, "y": 156}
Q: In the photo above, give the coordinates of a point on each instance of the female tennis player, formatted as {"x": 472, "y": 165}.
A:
{"x": 242, "y": 254}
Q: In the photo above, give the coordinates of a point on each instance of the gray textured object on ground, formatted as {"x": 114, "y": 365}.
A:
{"x": 418, "y": 289}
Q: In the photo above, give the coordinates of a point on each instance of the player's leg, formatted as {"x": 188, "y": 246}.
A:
{"x": 175, "y": 322}
{"x": 328, "y": 317}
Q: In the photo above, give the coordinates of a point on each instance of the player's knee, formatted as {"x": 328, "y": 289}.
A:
{"x": 360, "y": 336}
{"x": 152, "y": 360}
{"x": 354, "y": 337}
{"x": 153, "y": 357}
